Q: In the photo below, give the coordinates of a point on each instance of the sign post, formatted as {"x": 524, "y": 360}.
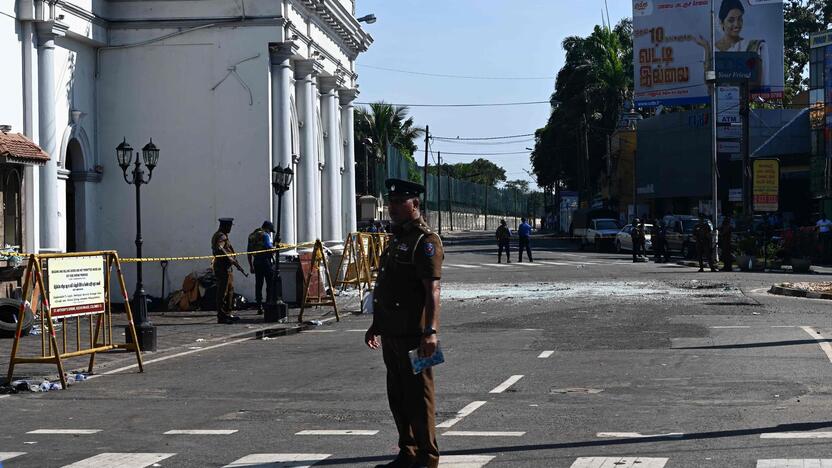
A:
{"x": 75, "y": 288}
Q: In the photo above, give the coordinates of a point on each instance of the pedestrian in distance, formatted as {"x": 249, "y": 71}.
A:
{"x": 724, "y": 242}
{"x": 406, "y": 317}
{"x": 503, "y": 242}
{"x": 261, "y": 264}
{"x": 524, "y": 238}
{"x": 380, "y": 228}
{"x": 824, "y": 228}
{"x": 372, "y": 227}
{"x": 637, "y": 238}
{"x": 224, "y": 261}
{"x": 704, "y": 238}
{"x": 659, "y": 239}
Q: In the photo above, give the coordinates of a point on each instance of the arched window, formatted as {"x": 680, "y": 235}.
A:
{"x": 11, "y": 229}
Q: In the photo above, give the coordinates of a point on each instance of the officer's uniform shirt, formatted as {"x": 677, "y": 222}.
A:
{"x": 218, "y": 241}
{"x": 414, "y": 254}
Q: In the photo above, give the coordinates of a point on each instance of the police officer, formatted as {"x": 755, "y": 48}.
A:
{"x": 503, "y": 242}
{"x": 637, "y": 237}
{"x": 406, "y": 316}
{"x": 221, "y": 246}
{"x": 658, "y": 238}
{"x": 704, "y": 250}
{"x": 262, "y": 264}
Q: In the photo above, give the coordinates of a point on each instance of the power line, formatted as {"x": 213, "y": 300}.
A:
{"x": 465, "y": 77}
{"x": 485, "y": 154}
{"x": 486, "y": 143}
{"x": 506, "y": 137}
{"x": 498, "y": 104}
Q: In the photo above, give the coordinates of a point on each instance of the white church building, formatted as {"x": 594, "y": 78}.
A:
{"x": 226, "y": 89}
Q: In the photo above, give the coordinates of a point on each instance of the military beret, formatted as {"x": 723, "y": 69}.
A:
{"x": 403, "y": 187}
{"x": 226, "y": 220}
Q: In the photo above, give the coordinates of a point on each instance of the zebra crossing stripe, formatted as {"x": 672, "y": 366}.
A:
{"x": 275, "y": 460}
{"x": 9, "y": 455}
{"x": 470, "y": 408}
{"x": 121, "y": 460}
{"x": 335, "y": 432}
{"x": 65, "y": 431}
{"x": 487, "y": 434}
{"x": 795, "y": 463}
{"x": 464, "y": 461}
{"x": 554, "y": 263}
{"x": 796, "y": 435}
{"x": 619, "y": 462}
{"x": 457, "y": 265}
{"x": 201, "y": 432}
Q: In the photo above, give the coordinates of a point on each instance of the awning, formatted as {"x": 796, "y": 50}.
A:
{"x": 15, "y": 148}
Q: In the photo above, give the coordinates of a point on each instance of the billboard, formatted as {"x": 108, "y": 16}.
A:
{"x": 766, "y": 187}
{"x": 672, "y": 46}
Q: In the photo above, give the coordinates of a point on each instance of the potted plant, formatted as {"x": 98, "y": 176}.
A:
{"x": 802, "y": 247}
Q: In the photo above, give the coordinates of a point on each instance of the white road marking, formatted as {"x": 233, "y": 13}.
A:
{"x": 276, "y": 460}
{"x": 335, "y": 432}
{"x": 484, "y": 433}
{"x": 527, "y": 263}
{"x": 635, "y": 435}
{"x": 172, "y": 356}
{"x": 470, "y": 408}
{"x": 505, "y": 385}
{"x": 201, "y": 432}
{"x": 4, "y": 396}
{"x": 465, "y": 461}
{"x": 465, "y": 266}
{"x": 730, "y": 326}
{"x": 545, "y": 354}
{"x": 619, "y": 462}
{"x": 65, "y": 431}
{"x": 824, "y": 345}
{"x": 9, "y": 455}
{"x": 784, "y": 326}
{"x": 532, "y": 329}
{"x": 796, "y": 435}
{"x": 356, "y": 331}
{"x": 121, "y": 460}
{"x": 795, "y": 463}
{"x": 319, "y": 331}
{"x": 553, "y": 263}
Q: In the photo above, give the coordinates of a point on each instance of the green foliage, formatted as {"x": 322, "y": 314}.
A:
{"x": 480, "y": 171}
{"x": 383, "y": 124}
{"x": 802, "y": 17}
{"x": 520, "y": 185}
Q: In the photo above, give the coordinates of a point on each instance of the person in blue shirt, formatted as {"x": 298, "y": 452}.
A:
{"x": 262, "y": 264}
{"x": 524, "y": 234}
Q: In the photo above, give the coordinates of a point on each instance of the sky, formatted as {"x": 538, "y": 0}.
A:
{"x": 483, "y": 38}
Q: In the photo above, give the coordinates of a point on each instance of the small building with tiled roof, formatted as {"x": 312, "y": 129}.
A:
{"x": 15, "y": 148}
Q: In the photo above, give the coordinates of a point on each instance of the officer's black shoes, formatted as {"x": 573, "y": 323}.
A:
{"x": 701, "y": 270}
{"x": 259, "y": 309}
{"x": 227, "y": 319}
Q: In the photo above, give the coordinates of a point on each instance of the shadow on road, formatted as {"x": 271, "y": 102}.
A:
{"x": 768, "y": 344}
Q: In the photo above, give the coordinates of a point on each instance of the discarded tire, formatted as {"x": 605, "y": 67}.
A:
{"x": 9, "y": 309}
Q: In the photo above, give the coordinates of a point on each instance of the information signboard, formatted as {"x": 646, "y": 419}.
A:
{"x": 766, "y": 192}
{"x": 76, "y": 285}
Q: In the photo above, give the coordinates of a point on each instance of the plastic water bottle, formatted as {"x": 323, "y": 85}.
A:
{"x": 55, "y": 386}
{"x": 45, "y": 386}
{"x": 80, "y": 377}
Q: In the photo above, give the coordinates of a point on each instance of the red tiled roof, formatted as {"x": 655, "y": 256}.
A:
{"x": 16, "y": 148}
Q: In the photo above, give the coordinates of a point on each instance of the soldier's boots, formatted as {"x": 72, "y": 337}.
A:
{"x": 227, "y": 319}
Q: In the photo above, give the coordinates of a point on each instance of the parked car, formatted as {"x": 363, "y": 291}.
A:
{"x": 583, "y": 223}
{"x": 680, "y": 234}
{"x": 601, "y": 233}
{"x": 624, "y": 238}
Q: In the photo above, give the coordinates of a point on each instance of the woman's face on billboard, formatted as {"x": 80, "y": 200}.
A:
{"x": 732, "y": 24}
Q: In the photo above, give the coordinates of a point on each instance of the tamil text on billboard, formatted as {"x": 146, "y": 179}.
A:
{"x": 766, "y": 189}
{"x": 672, "y": 46}
{"x": 76, "y": 285}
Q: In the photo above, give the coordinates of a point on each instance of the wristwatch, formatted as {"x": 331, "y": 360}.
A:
{"x": 428, "y": 331}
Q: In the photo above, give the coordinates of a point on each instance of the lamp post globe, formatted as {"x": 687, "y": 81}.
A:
{"x": 145, "y": 331}
{"x": 276, "y": 310}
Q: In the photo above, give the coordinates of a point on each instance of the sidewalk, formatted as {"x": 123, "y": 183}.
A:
{"x": 176, "y": 332}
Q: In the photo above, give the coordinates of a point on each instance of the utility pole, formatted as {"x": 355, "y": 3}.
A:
{"x": 745, "y": 106}
{"x": 439, "y": 189}
{"x": 427, "y": 142}
{"x": 714, "y": 102}
{"x": 486, "y": 207}
{"x": 450, "y": 199}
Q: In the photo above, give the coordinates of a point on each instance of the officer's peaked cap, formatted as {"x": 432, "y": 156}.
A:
{"x": 403, "y": 187}
{"x": 226, "y": 220}
{"x": 267, "y": 225}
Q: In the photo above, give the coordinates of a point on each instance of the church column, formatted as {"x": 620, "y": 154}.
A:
{"x": 47, "y": 32}
{"x": 307, "y": 173}
{"x": 280, "y": 55}
{"x": 331, "y": 182}
{"x": 318, "y": 153}
{"x": 348, "y": 200}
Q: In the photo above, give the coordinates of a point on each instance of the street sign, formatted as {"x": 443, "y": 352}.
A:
{"x": 766, "y": 192}
{"x": 728, "y": 146}
{"x": 728, "y": 104}
{"x": 76, "y": 285}
{"x": 729, "y": 132}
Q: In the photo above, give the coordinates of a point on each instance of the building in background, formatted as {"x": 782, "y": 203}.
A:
{"x": 820, "y": 120}
{"x": 226, "y": 89}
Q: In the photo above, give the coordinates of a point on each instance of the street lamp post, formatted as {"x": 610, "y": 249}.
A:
{"x": 365, "y": 142}
{"x": 145, "y": 331}
{"x": 276, "y": 310}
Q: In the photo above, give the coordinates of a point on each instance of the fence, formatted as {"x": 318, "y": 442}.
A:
{"x": 463, "y": 204}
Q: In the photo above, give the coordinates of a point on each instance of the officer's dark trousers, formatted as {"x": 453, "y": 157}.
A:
{"x": 525, "y": 243}
{"x": 638, "y": 249}
{"x": 705, "y": 253}
{"x": 725, "y": 255}
{"x": 503, "y": 245}
{"x": 225, "y": 290}
{"x": 263, "y": 273}
{"x": 411, "y": 401}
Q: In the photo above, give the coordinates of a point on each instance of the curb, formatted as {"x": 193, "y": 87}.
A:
{"x": 783, "y": 290}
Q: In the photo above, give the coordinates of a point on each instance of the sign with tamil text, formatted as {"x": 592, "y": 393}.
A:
{"x": 672, "y": 47}
{"x": 766, "y": 188}
{"x": 76, "y": 285}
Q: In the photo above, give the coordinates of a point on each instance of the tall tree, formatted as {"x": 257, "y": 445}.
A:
{"x": 802, "y": 18}
{"x": 384, "y": 125}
